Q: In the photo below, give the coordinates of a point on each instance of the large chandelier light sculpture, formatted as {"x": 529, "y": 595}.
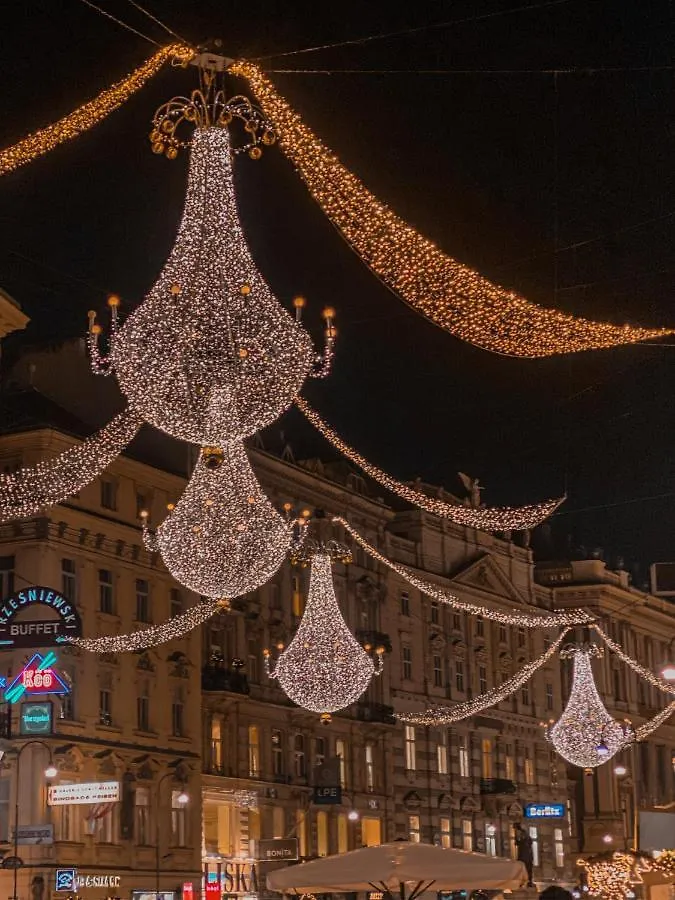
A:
{"x": 223, "y": 538}
{"x": 210, "y": 353}
{"x": 585, "y": 734}
{"x": 324, "y": 668}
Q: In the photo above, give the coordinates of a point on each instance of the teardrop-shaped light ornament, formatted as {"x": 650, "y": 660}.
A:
{"x": 585, "y": 734}
{"x": 324, "y": 668}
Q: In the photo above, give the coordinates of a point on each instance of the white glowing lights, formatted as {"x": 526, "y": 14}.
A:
{"x": 545, "y": 620}
{"x": 210, "y": 354}
{"x": 585, "y": 734}
{"x": 175, "y": 627}
{"x": 640, "y": 670}
{"x": 324, "y": 668}
{"x": 223, "y": 538}
{"x": 445, "y": 715}
{"x": 496, "y": 519}
{"x": 26, "y": 492}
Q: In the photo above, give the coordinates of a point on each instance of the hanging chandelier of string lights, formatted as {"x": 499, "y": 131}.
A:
{"x": 453, "y": 296}
{"x": 585, "y": 734}
{"x": 486, "y": 519}
{"x": 223, "y": 538}
{"x": 210, "y": 354}
{"x": 324, "y": 668}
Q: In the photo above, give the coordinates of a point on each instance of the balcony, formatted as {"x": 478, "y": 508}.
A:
{"x": 375, "y": 712}
{"x": 374, "y": 638}
{"x": 495, "y": 786}
{"x": 218, "y": 678}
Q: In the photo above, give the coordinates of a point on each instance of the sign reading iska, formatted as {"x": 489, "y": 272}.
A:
{"x": 16, "y": 631}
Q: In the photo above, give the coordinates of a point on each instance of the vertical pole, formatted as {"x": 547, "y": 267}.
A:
{"x": 157, "y": 812}
{"x": 636, "y": 811}
{"x": 16, "y": 819}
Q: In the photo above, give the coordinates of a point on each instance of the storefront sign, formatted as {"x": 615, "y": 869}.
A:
{"x": 545, "y": 811}
{"x": 104, "y": 881}
{"x": 65, "y": 879}
{"x": 36, "y": 679}
{"x": 188, "y": 891}
{"x": 234, "y": 877}
{"x": 212, "y": 886}
{"x": 35, "y": 834}
{"x": 88, "y": 792}
{"x": 324, "y": 796}
{"x": 36, "y": 718}
{"x": 15, "y": 632}
{"x": 278, "y": 849}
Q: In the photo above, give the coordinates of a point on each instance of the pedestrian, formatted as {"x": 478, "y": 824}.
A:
{"x": 525, "y": 851}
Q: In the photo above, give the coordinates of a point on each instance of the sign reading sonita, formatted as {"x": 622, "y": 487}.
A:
{"x": 18, "y": 631}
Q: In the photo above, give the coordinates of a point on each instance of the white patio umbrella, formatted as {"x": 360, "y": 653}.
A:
{"x": 403, "y": 868}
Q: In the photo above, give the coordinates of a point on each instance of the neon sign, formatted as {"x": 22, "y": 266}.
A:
{"x": 15, "y": 632}
{"x": 36, "y": 678}
{"x": 545, "y": 811}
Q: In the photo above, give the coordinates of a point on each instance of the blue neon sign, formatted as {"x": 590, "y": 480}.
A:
{"x": 545, "y": 811}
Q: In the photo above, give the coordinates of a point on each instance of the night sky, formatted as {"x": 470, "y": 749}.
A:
{"x": 494, "y": 157}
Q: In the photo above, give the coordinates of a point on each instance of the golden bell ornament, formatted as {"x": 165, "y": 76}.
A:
{"x": 251, "y": 127}
{"x": 325, "y": 718}
{"x": 170, "y": 506}
{"x": 245, "y": 289}
{"x": 167, "y": 126}
{"x": 255, "y": 152}
{"x": 243, "y": 353}
{"x": 268, "y": 138}
{"x": 155, "y": 135}
{"x": 171, "y": 152}
{"x": 226, "y": 117}
{"x": 213, "y": 457}
{"x": 190, "y": 113}
{"x": 114, "y": 300}
{"x": 175, "y": 288}
{"x": 158, "y": 147}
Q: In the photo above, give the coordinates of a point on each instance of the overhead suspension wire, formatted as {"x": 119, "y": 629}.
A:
{"x": 572, "y": 70}
{"x": 130, "y": 28}
{"x": 159, "y": 22}
{"x": 415, "y": 30}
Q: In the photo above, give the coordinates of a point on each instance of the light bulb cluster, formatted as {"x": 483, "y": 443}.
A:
{"x": 613, "y": 876}
{"x": 89, "y": 114}
{"x": 585, "y": 734}
{"x": 633, "y": 664}
{"x": 174, "y": 628}
{"x": 48, "y": 482}
{"x": 450, "y": 294}
{"x": 496, "y": 519}
{"x": 324, "y": 668}
{"x": 223, "y": 538}
{"x": 210, "y": 354}
{"x": 446, "y": 715}
{"x": 525, "y": 620}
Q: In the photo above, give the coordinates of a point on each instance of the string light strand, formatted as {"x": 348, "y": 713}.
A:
{"x": 633, "y": 664}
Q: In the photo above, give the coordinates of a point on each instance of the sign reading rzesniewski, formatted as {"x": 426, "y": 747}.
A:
{"x": 86, "y": 792}
{"x": 18, "y": 632}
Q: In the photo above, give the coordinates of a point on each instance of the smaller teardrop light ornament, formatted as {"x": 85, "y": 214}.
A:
{"x": 585, "y": 734}
{"x": 324, "y": 668}
{"x": 223, "y": 538}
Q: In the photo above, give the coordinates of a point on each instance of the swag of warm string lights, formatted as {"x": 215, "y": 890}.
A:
{"x": 324, "y": 668}
{"x": 496, "y": 519}
{"x": 26, "y": 492}
{"x": 613, "y": 876}
{"x": 525, "y": 620}
{"x": 89, "y": 114}
{"x": 176, "y": 627}
{"x": 223, "y": 538}
{"x": 640, "y": 670}
{"x": 450, "y": 294}
{"x": 446, "y": 715}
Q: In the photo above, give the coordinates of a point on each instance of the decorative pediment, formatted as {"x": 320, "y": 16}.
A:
{"x": 179, "y": 665}
{"x": 514, "y": 811}
{"x": 69, "y": 758}
{"x": 485, "y": 575}
{"x": 144, "y": 663}
{"x": 448, "y": 801}
{"x": 438, "y": 641}
{"x": 505, "y": 662}
{"x": 412, "y": 800}
{"x": 459, "y": 648}
{"x": 469, "y": 804}
{"x": 481, "y": 654}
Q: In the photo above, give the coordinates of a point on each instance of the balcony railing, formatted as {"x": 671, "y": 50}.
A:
{"x": 375, "y": 712}
{"x": 218, "y": 678}
{"x": 498, "y": 786}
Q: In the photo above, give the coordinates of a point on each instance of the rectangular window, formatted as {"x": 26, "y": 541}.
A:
{"x": 143, "y": 708}
{"x": 480, "y": 627}
{"x": 301, "y": 831}
{"x": 435, "y": 612}
{"x": 322, "y": 834}
{"x": 407, "y": 663}
{"x": 105, "y": 706}
{"x": 446, "y": 832}
{"x": 298, "y": 600}
{"x": 490, "y": 839}
{"x": 442, "y": 752}
{"x": 253, "y": 751}
{"x": 549, "y": 696}
{"x": 106, "y": 599}
{"x": 521, "y": 636}
{"x": 525, "y": 694}
{"x": 482, "y": 679}
{"x": 217, "y": 755}
{"x": 104, "y": 827}
{"x": 142, "y": 600}
{"x": 486, "y": 758}
{"x": 464, "y": 761}
{"x": 319, "y": 751}
{"x": 108, "y": 494}
{"x": 68, "y": 821}
{"x": 410, "y": 754}
{"x": 467, "y": 835}
{"x": 459, "y": 675}
{"x": 438, "y": 671}
{"x": 178, "y": 714}
{"x": 405, "y": 603}
{"x": 142, "y": 817}
{"x": 68, "y": 579}
{"x": 278, "y": 768}
{"x": 456, "y": 622}
{"x": 341, "y": 753}
{"x": 252, "y": 664}
{"x": 414, "y": 834}
{"x": 370, "y": 767}
{"x": 529, "y": 768}
{"x": 179, "y": 820}
{"x": 342, "y": 833}
{"x": 509, "y": 765}
{"x": 371, "y": 831}
{"x": 559, "y": 845}
{"x": 278, "y": 822}
{"x": 299, "y": 758}
{"x": 502, "y": 634}
{"x": 535, "y": 845}
{"x": 176, "y": 602}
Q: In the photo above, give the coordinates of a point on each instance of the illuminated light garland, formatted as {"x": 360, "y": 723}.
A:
{"x": 223, "y": 538}
{"x": 585, "y": 734}
{"x": 450, "y": 294}
{"x": 89, "y": 114}
{"x": 51, "y": 481}
{"x": 640, "y": 670}
{"x": 210, "y": 354}
{"x": 643, "y": 731}
{"x": 446, "y": 715}
{"x": 614, "y": 876}
{"x": 324, "y": 668}
{"x": 176, "y": 627}
{"x": 525, "y": 620}
{"x": 496, "y": 519}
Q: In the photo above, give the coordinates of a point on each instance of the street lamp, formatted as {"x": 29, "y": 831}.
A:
{"x": 668, "y": 672}
{"x": 353, "y": 815}
{"x": 50, "y": 772}
{"x": 178, "y": 773}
